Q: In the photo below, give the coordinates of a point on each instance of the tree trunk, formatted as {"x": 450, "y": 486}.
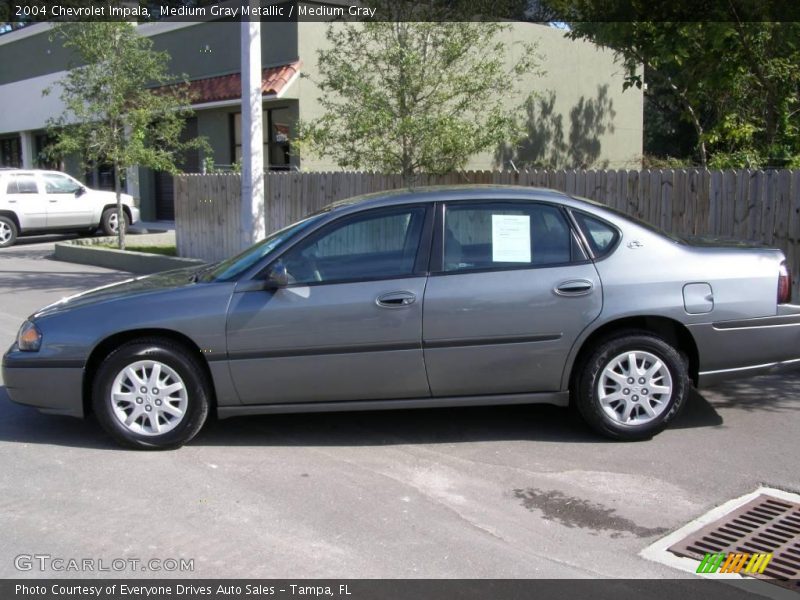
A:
{"x": 120, "y": 211}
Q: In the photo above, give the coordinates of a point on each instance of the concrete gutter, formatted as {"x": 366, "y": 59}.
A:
{"x": 88, "y": 252}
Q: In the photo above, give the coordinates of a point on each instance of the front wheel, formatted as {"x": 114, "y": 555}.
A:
{"x": 632, "y": 386}
{"x": 151, "y": 394}
{"x": 109, "y": 222}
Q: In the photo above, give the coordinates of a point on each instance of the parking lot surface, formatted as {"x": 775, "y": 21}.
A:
{"x": 517, "y": 492}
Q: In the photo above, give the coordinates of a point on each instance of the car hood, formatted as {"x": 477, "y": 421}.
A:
{"x": 111, "y": 197}
{"x": 130, "y": 287}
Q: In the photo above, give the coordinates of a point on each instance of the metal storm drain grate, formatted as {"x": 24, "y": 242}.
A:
{"x": 760, "y": 539}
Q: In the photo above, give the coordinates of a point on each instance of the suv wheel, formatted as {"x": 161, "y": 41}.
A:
{"x": 109, "y": 222}
{"x": 8, "y": 232}
{"x": 632, "y": 386}
{"x": 151, "y": 394}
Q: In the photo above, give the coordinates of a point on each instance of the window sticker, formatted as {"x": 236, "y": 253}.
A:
{"x": 511, "y": 238}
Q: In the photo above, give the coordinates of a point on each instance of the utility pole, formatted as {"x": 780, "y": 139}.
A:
{"x": 253, "y": 228}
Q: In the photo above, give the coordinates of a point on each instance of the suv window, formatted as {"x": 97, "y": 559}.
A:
{"x": 22, "y": 184}
{"x": 485, "y": 236}
{"x": 59, "y": 184}
{"x": 601, "y": 236}
{"x": 375, "y": 245}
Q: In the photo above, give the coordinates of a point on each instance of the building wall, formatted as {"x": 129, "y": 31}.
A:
{"x": 580, "y": 118}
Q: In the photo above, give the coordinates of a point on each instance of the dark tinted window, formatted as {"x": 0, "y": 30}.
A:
{"x": 375, "y": 245}
{"x": 601, "y": 236}
{"x": 481, "y": 236}
{"x": 22, "y": 184}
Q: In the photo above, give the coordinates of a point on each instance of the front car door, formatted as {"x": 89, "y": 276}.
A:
{"x": 67, "y": 204}
{"x": 349, "y": 324}
{"x": 23, "y": 196}
{"x": 509, "y": 292}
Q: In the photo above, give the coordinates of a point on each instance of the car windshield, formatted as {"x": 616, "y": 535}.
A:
{"x": 233, "y": 267}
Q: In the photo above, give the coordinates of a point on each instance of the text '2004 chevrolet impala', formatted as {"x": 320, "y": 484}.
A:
{"x": 436, "y": 297}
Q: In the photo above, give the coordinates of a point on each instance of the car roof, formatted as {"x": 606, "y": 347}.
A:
{"x": 445, "y": 193}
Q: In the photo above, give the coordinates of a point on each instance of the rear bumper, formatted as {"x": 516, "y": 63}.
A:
{"x": 52, "y": 390}
{"x": 748, "y": 347}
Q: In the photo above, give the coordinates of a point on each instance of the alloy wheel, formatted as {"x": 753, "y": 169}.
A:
{"x": 634, "y": 388}
{"x": 148, "y": 397}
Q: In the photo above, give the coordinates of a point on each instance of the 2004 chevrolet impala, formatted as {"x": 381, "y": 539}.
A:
{"x": 438, "y": 297}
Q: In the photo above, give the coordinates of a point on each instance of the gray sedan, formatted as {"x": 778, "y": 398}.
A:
{"x": 438, "y": 297}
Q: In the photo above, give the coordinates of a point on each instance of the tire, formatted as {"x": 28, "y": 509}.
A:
{"x": 605, "y": 396}
{"x": 8, "y": 232}
{"x": 157, "y": 424}
{"x": 109, "y": 220}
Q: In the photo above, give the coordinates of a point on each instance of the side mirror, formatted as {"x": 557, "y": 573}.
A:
{"x": 278, "y": 276}
{"x": 80, "y": 191}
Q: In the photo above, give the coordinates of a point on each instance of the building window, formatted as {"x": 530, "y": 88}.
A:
{"x": 43, "y": 158}
{"x": 11, "y": 152}
{"x": 277, "y": 155}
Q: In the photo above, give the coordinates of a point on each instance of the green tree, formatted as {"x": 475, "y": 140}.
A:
{"x": 121, "y": 106}
{"x": 409, "y": 97}
{"x": 735, "y": 79}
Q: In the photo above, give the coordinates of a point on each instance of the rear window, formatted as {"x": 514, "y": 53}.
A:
{"x": 601, "y": 236}
{"x": 21, "y": 184}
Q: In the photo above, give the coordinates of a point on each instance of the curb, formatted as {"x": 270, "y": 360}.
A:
{"x": 122, "y": 260}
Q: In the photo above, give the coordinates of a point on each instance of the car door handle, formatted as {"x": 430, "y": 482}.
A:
{"x": 574, "y": 287}
{"x": 396, "y": 299}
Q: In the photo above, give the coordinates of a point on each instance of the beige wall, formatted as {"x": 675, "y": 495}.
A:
{"x": 580, "y": 118}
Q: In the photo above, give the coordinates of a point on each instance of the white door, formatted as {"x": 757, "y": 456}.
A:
{"x": 24, "y": 197}
{"x": 67, "y": 203}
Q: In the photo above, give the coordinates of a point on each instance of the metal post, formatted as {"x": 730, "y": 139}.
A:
{"x": 253, "y": 228}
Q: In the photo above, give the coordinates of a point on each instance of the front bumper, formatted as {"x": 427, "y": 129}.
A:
{"x": 50, "y": 389}
{"x": 135, "y": 214}
{"x": 748, "y": 347}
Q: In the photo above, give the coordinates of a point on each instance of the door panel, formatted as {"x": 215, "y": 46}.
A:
{"x": 505, "y": 331}
{"x": 65, "y": 208}
{"x": 24, "y": 197}
{"x": 513, "y": 291}
{"x": 327, "y": 342}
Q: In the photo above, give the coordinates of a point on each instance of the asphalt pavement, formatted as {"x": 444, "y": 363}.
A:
{"x": 501, "y": 492}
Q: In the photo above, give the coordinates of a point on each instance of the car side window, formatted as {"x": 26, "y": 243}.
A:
{"x": 486, "y": 236}
{"x": 601, "y": 236}
{"x": 59, "y": 184}
{"x": 22, "y": 184}
{"x": 378, "y": 244}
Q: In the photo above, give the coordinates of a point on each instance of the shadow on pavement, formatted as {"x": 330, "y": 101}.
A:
{"x": 374, "y": 428}
{"x": 774, "y": 393}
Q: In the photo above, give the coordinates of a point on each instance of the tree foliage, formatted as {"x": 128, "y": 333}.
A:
{"x": 121, "y": 106}
{"x": 736, "y": 82}
{"x": 415, "y": 96}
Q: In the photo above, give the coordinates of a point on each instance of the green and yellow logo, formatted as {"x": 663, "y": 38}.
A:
{"x": 734, "y": 562}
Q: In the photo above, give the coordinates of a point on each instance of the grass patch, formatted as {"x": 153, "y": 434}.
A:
{"x": 163, "y": 250}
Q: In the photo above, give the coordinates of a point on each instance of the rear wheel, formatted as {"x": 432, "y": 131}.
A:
{"x": 632, "y": 386}
{"x": 109, "y": 222}
{"x": 151, "y": 394}
{"x": 8, "y": 232}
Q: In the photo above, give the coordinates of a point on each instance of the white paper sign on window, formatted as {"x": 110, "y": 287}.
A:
{"x": 511, "y": 238}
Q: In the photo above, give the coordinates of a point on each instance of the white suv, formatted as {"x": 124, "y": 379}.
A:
{"x": 34, "y": 201}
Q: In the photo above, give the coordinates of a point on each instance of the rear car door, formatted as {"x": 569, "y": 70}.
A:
{"x": 509, "y": 292}
{"x": 349, "y": 325}
{"x": 23, "y": 197}
{"x": 67, "y": 204}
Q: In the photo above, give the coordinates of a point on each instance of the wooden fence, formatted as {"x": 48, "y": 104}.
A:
{"x": 762, "y": 206}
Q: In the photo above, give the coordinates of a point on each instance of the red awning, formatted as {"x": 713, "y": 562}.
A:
{"x": 229, "y": 87}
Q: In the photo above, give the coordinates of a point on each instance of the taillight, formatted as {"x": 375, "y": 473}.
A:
{"x": 784, "y": 284}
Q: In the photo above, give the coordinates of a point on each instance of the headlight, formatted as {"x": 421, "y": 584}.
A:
{"x": 29, "y": 338}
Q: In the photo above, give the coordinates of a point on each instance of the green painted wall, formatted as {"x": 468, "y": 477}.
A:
{"x": 582, "y": 117}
